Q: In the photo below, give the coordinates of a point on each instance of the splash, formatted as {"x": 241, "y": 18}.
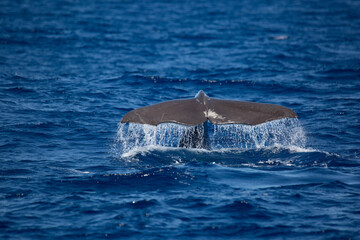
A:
{"x": 284, "y": 133}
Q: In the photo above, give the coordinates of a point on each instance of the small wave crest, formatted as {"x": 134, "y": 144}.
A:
{"x": 286, "y": 133}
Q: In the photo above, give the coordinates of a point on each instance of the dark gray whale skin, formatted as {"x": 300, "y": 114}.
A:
{"x": 195, "y": 111}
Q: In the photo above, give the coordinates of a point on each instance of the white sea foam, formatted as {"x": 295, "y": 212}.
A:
{"x": 148, "y": 149}
{"x": 80, "y": 172}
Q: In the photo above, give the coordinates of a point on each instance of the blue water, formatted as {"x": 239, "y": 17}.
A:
{"x": 69, "y": 71}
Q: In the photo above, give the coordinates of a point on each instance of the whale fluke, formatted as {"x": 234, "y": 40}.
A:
{"x": 198, "y": 110}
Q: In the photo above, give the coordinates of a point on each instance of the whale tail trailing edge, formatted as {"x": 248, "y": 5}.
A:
{"x": 198, "y": 110}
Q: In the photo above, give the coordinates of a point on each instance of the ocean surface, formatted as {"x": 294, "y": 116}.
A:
{"x": 71, "y": 69}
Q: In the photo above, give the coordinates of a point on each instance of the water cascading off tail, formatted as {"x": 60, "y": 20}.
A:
{"x": 283, "y": 133}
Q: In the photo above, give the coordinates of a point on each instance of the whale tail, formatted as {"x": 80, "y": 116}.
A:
{"x": 198, "y": 110}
